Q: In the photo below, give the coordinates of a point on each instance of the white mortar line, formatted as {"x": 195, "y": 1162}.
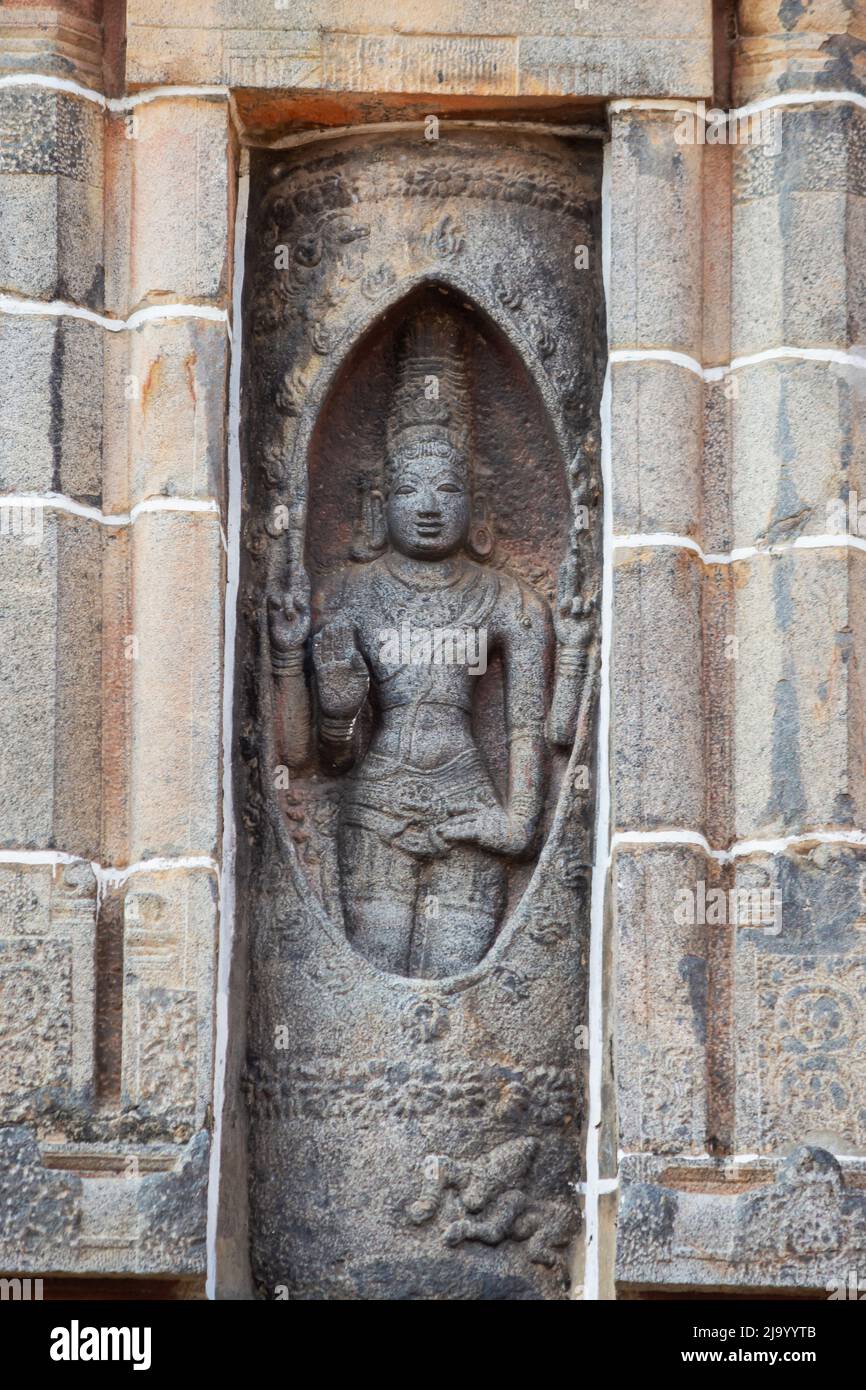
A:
{"x": 114, "y": 878}
{"x": 56, "y": 501}
{"x": 722, "y": 1160}
{"x": 119, "y": 104}
{"x": 603, "y": 1186}
{"x": 643, "y": 541}
{"x": 61, "y": 308}
{"x": 229, "y": 845}
{"x": 107, "y": 875}
{"x": 68, "y": 85}
{"x": 840, "y": 97}
{"x": 52, "y": 857}
{"x": 593, "y": 1187}
{"x": 740, "y": 848}
{"x": 855, "y": 357}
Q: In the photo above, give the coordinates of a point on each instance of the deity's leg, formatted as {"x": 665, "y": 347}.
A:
{"x": 379, "y": 886}
{"x": 459, "y": 909}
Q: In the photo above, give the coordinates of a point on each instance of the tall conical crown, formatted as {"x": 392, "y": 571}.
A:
{"x": 430, "y": 414}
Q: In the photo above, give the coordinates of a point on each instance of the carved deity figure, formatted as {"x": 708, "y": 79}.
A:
{"x": 400, "y": 639}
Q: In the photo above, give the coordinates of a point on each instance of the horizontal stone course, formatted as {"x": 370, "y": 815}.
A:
{"x": 798, "y": 228}
{"x": 769, "y": 452}
{"x": 180, "y": 186}
{"x": 657, "y": 737}
{"x": 618, "y": 47}
{"x": 176, "y": 675}
{"x": 165, "y": 412}
{"x": 739, "y": 998}
{"x": 797, "y": 678}
{"x": 51, "y": 407}
{"x": 794, "y": 1224}
{"x": 49, "y": 673}
{"x": 656, "y": 272}
{"x": 783, "y": 47}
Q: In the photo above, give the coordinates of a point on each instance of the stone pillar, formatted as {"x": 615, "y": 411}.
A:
{"x": 114, "y": 276}
{"x": 746, "y": 1125}
{"x": 662, "y": 292}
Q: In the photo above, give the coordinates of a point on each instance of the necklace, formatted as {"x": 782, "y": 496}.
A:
{"x": 421, "y": 580}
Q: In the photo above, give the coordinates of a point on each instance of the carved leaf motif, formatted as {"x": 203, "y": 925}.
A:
{"x": 447, "y": 238}
{"x": 319, "y": 336}
{"x": 291, "y": 392}
{"x": 274, "y": 464}
{"x": 509, "y": 296}
{"x": 425, "y": 1020}
{"x": 336, "y": 976}
{"x": 377, "y": 282}
{"x": 545, "y": 342}
{"x": 514, "y": 985}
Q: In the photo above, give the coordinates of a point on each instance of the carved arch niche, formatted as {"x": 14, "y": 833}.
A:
{"x": 414, "y": 1136}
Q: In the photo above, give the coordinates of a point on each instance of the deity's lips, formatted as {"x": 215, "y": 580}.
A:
{"x": 428, "y": 528}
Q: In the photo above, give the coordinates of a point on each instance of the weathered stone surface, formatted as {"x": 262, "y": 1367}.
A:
{"x": 661, "y": 999}
{"x": 797, "y": 1224}
{"x": 431, "y": 1056}
{"x": 657, "y": 731}
{"x": 93, "y": 1178}
{"x": 738, "y": 999}
{"x": 797, "y": 683}
{"x": 51, "y": 407}
{"x": 176, "y": 676}
{"x": 180, "y": 191}
{"x": 784, "y": 47}
{"x": 656, "y": 432}
{"x": 797, "y": 232}
{"x": 717, "y": 465}
{"x": 51, "y": 196}
{"x": 48, "y": 132}
{"x": 656, "y": 260}
{"x": 165, "y": 412}
{"x": 169, "y": 922}
{"x": 40, "y": 1213}
{"x": 799, "y": 449}
{"x": 64, "y": 40}
{"x": 51, "y": 238}
{"x": 716, "y": 210}
{"x": 619, "y": 47}
{"x": 101, "y": 1208}
{"x": 738, "y": 701}
{"x": 50, "y": 674}
{"x": 775, "y": 992}
{"x": 799, "y": 1008}
{"x": 47, "y": 945}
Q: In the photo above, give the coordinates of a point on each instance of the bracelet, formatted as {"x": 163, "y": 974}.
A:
{"x": 289, "y": 663}
{"x": 337, "y": 729}
{"x": 572, "y": 660}
{"x": 523, "y": 806}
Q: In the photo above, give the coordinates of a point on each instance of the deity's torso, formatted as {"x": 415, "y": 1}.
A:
{"x": 425, "y": 642}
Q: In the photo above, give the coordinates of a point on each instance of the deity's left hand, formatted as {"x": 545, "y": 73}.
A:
{"x": 492, "y": 828}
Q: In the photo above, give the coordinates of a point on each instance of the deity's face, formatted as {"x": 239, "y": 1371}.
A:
{"x": 428, "y": 510}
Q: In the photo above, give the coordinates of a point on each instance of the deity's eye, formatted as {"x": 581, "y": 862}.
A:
{"x": 404, "y": 490}
{"x": 449, "y": 487}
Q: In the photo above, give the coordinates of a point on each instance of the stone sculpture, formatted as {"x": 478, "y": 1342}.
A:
{"x": 418, "y": 676}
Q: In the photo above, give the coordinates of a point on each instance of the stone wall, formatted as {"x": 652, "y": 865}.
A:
{"x": 726, "y": 1061}
{"x": 115, "y": 278}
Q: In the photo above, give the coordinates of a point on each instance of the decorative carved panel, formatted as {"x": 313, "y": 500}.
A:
{"x": 416, "y": 709}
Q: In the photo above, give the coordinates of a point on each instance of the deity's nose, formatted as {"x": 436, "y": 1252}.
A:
{"x": 428, "y": 505}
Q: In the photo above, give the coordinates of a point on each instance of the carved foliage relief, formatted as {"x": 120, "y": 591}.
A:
{"x": 418, "y": 661}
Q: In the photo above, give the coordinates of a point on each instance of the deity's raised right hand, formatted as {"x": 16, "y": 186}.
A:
{"x": 289, "y": 615}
